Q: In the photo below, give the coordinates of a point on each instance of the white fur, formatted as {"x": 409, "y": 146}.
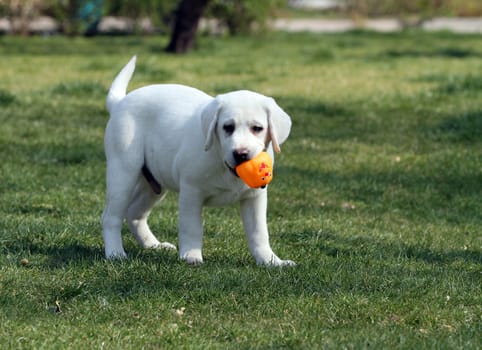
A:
{"x": 182, "y": 135}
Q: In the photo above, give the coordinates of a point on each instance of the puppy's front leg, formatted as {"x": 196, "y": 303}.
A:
{"x": 253, "y": 212}
{"x": 190, "y": 226}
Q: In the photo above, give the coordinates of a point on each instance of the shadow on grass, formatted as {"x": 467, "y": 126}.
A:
{"x": 468, "y": 83}
{"x": 444, "y": 52}
{"x": 369, "y": 267}
{"x": 324, "y": 120}
{"x": 326, "y": 243}
{"x": 328, "y": 264}
{"x": 69, "y": 254}
{"x": 426, "y": 194}
{"x": 333, "y": 245}
{"x": 60, "y": 154}
{"x": 465, "y": 127}
{"x": 6, "y": 98}
{"x": 315, "y": 108}
{"x": 56, "y": 255}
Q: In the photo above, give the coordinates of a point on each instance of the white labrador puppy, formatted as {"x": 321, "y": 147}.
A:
{"x": 174, "y": 137}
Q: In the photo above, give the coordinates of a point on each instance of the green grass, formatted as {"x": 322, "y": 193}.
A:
{"x": 376, "y": 196}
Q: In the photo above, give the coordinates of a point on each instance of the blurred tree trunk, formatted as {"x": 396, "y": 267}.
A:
{"x": 187, "y": 19}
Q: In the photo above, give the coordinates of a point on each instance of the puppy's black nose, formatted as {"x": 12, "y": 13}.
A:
{"x": 240, "y": 155}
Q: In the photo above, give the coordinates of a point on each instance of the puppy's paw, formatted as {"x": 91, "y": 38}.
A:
{"x": 166, "y": 246}
{"x": 192, "y": 257}
{"x": 275, "y": 262}
{"x": 287, "y": 263}
{"x": 115, "y": 255}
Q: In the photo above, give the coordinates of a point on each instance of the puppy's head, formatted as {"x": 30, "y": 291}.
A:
{"x": 242, "y": 124}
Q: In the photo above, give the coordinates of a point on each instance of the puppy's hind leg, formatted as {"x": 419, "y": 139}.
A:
{"x": 140, "y": 207}
{"x": 120, "y": 187}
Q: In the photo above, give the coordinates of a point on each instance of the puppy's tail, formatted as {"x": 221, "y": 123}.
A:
{"x": 119, "y": 85}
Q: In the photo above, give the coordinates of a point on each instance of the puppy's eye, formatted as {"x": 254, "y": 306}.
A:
{"x": 257, "y": 129}
{"x": 228, "y": 128}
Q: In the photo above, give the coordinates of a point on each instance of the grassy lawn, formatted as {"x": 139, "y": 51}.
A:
{"x": 376, "y": 196}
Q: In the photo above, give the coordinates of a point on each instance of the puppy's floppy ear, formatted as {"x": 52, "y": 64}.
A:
{"x": 209, "y": 121}
{"x": 279, "y": 124}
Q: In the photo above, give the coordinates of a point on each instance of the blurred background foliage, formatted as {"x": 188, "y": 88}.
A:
{"x": 377, "y": 8}
{"x": 75, "y": 16}
{"x": 237, "y": 16}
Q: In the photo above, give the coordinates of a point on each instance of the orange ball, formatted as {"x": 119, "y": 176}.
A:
{"x": 256, "y": 172}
